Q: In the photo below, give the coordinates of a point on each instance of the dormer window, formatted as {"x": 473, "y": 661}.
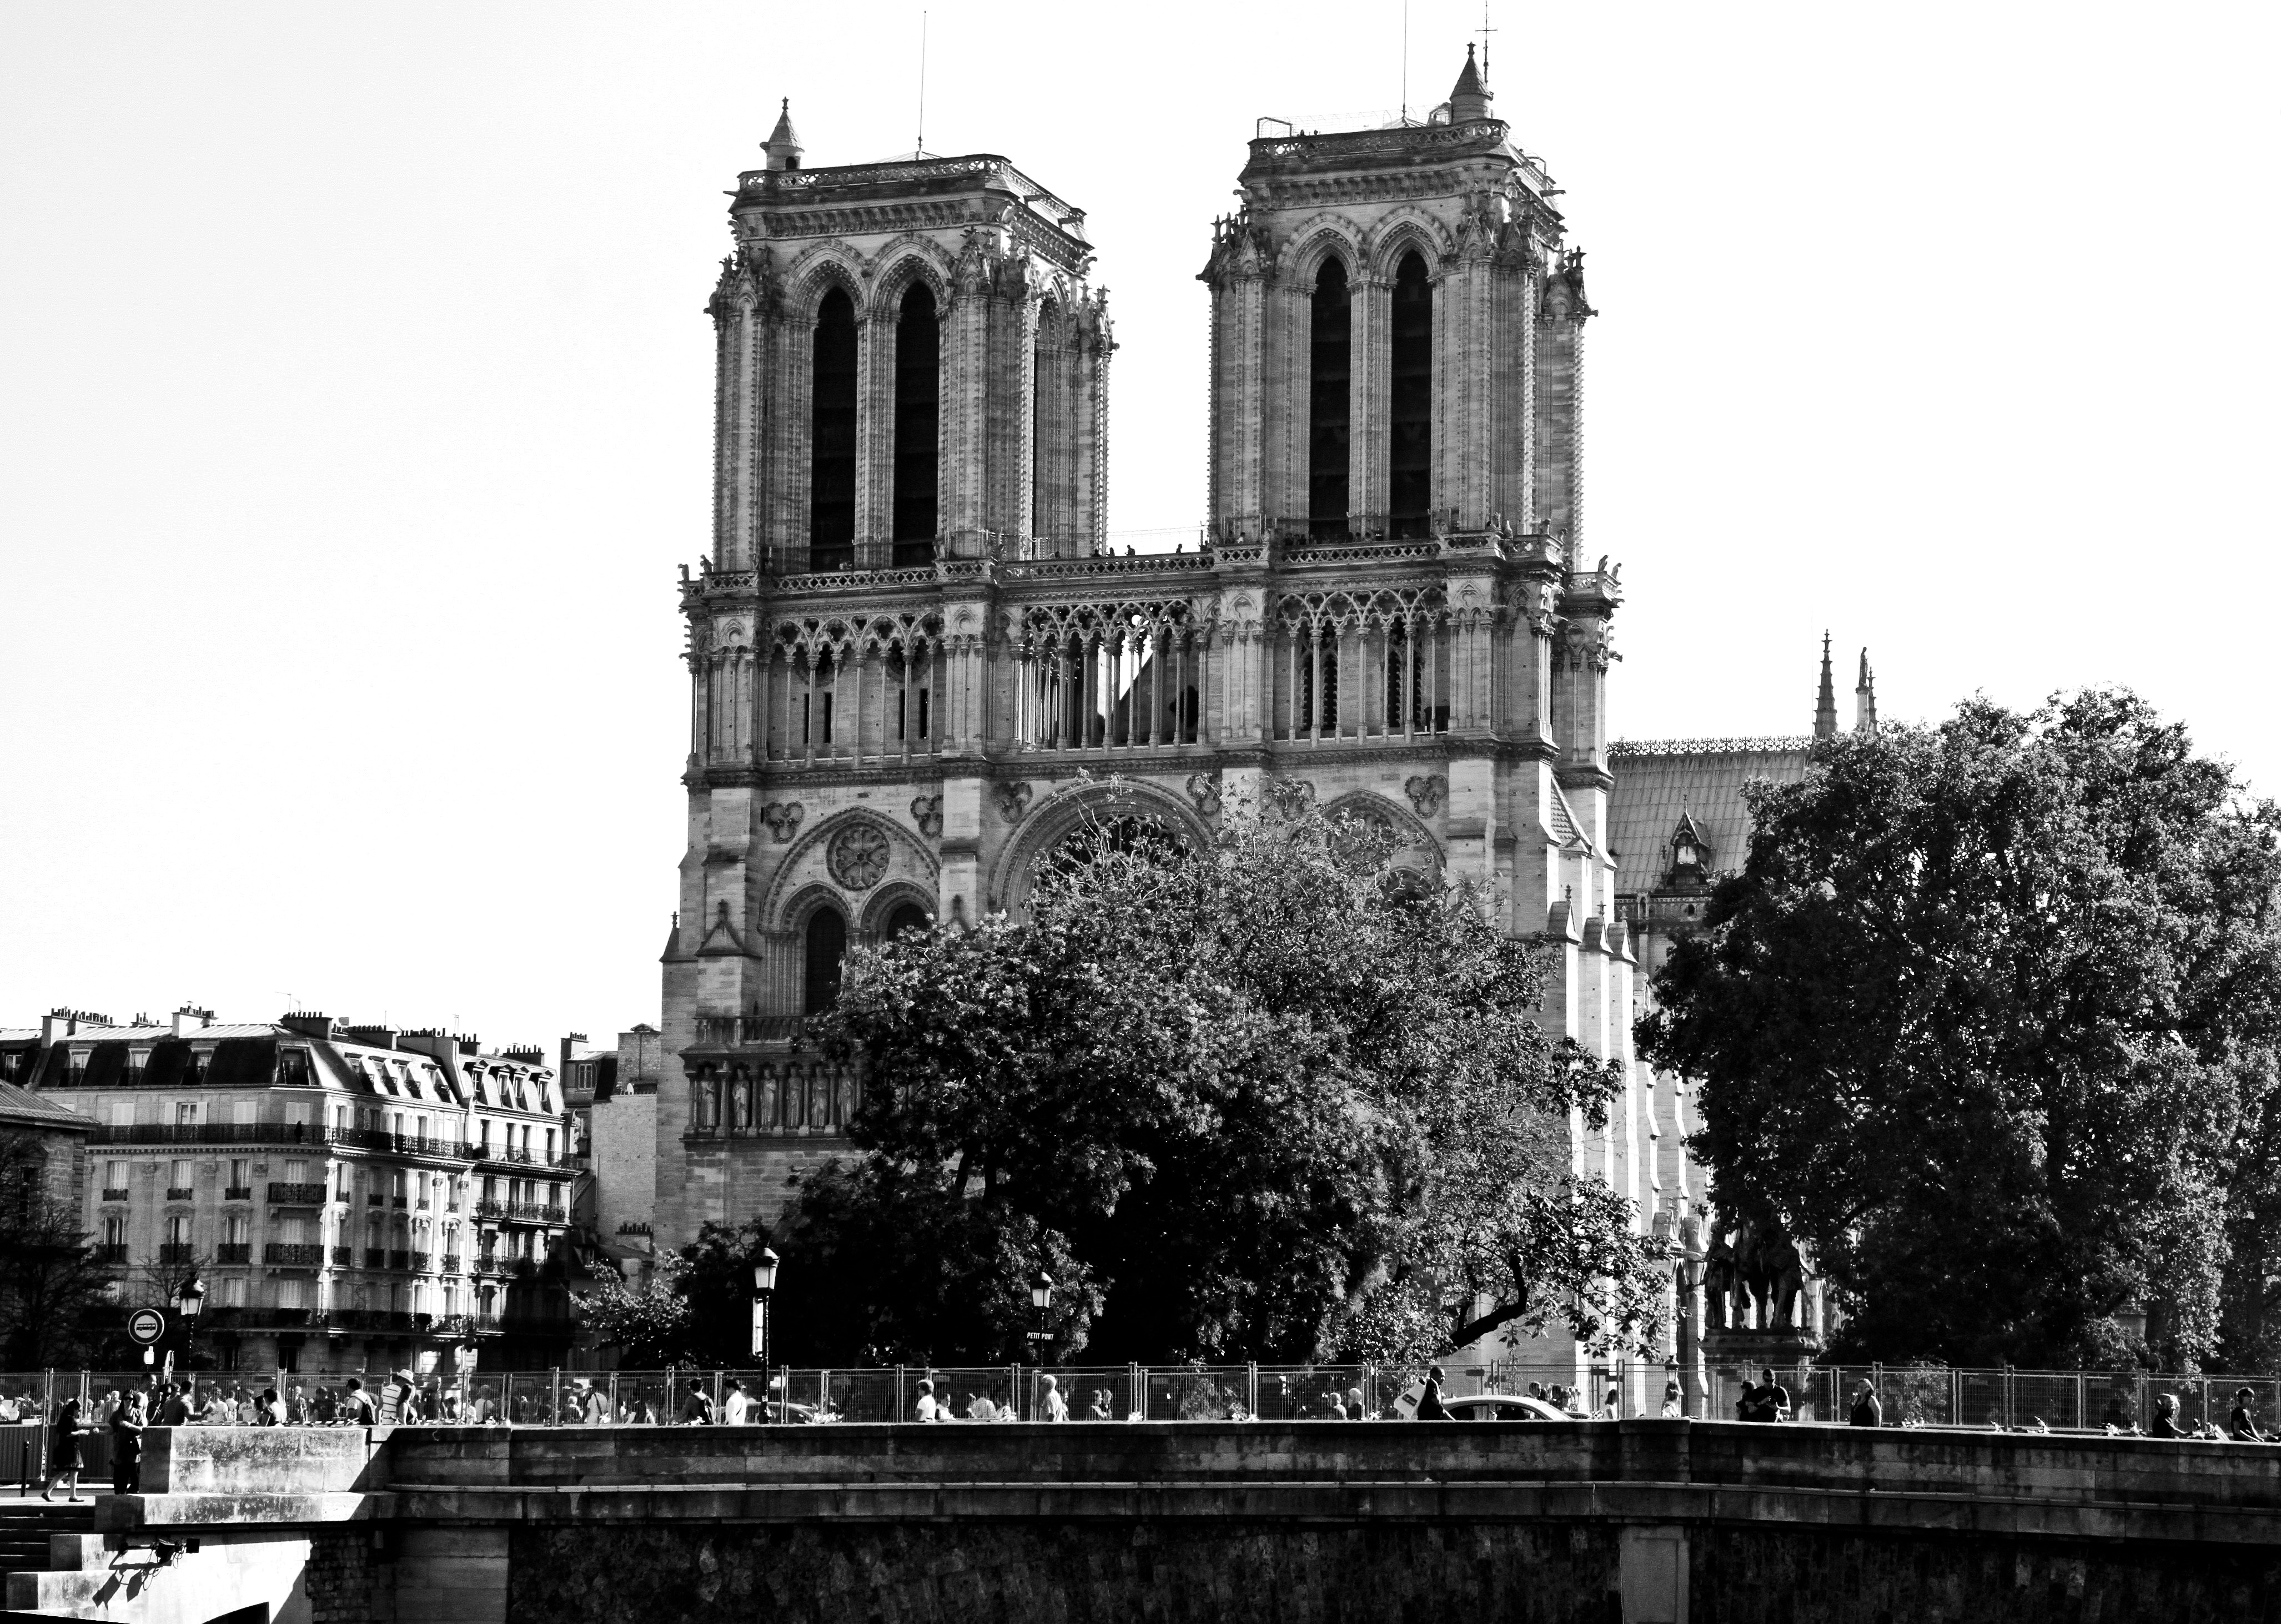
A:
{"x": 1690, "y": 853}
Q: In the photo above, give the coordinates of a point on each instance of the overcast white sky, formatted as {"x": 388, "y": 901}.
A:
{"x": 355, "y": 408}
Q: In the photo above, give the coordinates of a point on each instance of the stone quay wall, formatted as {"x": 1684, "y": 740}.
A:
{"x": 1646, "y": 1522}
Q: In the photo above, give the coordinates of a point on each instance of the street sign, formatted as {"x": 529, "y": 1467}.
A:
{"x": 147, "y": 1327}
{"x": 760, "y": 1327}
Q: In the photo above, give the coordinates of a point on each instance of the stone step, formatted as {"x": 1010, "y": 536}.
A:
{"x": 27, "y": 1526}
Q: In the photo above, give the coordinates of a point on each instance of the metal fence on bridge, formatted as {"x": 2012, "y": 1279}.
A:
{"x": 1909, "y": 1396}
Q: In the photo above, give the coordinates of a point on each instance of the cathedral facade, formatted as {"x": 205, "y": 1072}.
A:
{"x": 916, "y": 667}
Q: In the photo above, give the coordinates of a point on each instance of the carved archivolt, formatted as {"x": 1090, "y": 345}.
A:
{"x": 816, "y": 855}
{"x": 1419, "y": 848}
{"x": 1068, "y": 808}
{"x": 1406, "y": 228}
{"x": 1331, "y": 232}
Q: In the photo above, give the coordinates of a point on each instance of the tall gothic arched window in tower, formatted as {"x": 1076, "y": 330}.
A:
{"x": 918, "y": 394}
{"x": 826, "y": 946}
{"x": 832, "y": 437}
{"x": 1409, "y": 473}
{"x": 1329, "y": 356}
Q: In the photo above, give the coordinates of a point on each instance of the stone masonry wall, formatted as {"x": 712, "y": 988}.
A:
{"x": 1786, "y": 1575}
{"x": 1070, "y": 1573}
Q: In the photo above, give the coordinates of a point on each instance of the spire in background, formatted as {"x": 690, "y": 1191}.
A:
{"x": 1865, "y": 698}
{"x": 782, "y": 144}
{"x": 1825, "y": 709}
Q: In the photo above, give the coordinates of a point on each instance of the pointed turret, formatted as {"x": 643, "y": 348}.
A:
{"x": 1825, "y": 708}
{"x": 1865, "y": 698}
{"x": 1471, "y": 99}
{"x": 782, "y": 144}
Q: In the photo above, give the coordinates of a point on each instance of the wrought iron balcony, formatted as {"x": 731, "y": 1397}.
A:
{"x": 234, "y": 1251}
{"x": 295, "y": 1252}
{"x": 296, "y": 1194}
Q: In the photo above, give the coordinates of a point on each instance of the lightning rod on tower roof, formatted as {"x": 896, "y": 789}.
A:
{"x": 920, "y": 147}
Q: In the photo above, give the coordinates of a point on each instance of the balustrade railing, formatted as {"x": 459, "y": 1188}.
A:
{"x": 296, "y": 1194}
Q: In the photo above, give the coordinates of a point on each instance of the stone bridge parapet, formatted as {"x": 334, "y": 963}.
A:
{"x": 1647, "y": 1520}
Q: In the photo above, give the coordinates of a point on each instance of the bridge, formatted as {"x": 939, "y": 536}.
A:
{"x": 1642, "y": 1521}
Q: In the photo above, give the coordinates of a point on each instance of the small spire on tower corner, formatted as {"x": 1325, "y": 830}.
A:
{"x": 1865, "y": 698}
{"x": 1470, "y": 98}
{"x": 1825, "y": 709}
{"x": 782, "y": 144}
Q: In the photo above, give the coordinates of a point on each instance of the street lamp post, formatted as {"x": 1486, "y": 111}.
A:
{"x": 190, "y": 1297}
{"x": 764, "y": 1286}
{"x": 1041, "y": 1299}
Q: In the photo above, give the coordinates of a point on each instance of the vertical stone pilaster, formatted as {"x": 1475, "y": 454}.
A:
{"x": 1368, "y": 441}
{"x": 965, "y": 405}
{"x": 875, "y": 432}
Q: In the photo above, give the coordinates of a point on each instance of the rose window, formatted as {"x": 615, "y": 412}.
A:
{"x": 858, "y": 857}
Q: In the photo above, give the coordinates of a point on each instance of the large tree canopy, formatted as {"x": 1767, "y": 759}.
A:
{"x": 1984, "y": 1020}
{"x": 1265, "y": 1099}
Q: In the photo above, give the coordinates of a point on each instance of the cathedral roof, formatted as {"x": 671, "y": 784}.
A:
{"x": 1661, "y": 781}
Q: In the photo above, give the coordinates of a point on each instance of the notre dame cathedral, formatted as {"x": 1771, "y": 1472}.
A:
{"x": 917, "y": 666}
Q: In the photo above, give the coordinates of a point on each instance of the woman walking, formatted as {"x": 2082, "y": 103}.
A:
{"x": 63, "y": 1451}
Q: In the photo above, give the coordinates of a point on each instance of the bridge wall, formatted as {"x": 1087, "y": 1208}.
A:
{"x": 1653, "y": 1522}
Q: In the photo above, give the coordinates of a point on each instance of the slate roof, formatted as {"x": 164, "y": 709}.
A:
{"x": 18, "y": 1105}
{"x": 1657, "y": 780}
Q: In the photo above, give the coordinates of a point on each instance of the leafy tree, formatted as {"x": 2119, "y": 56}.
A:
{"x": 648, "y": 1323}
{"x": 1269, "y": 1099}
{"x": 1983, "y": 1021}
{"x": 56, "y": 1303}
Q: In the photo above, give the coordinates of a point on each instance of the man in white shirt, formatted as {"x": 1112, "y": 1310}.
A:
{"x": 735, "y": 1408}
{"x": 926, "y": 1409}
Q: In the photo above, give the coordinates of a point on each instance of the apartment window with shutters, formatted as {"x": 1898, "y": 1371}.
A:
{"x": 235, "y": 1230}
{"x": 178, "y": 1180}
{"x": 178, "y": 1231}
{"x": 233, "y": 1292}
{"x": 296, "y": 1172}
{"x": 241, "y": 1175}
{"x": 292, "y": 1293}
{"x": 550, "y": 1147}
{"x": 245, "y": 1113}
{"x": 122, "y": 1113}
{"x": 114, "y": 1233}
{"x": 186, "y": 1113}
